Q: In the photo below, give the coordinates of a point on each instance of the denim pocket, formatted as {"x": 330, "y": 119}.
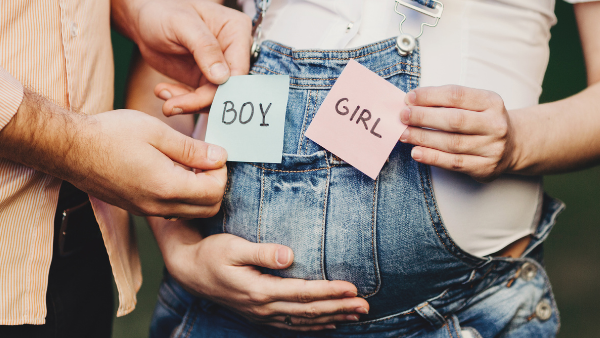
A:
{"x": 323, "y": 210}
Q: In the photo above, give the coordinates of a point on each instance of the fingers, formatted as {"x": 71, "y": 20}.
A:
{"x": 267, "y": 255}
{"x": 447, "y": 119}
{"x": 351, "y": 306}
{"x": 324, "y": 320}
{"x": 478, "y": 167}
{"x": 188, "y": 151}
{"x": 303, "y": 291}
{"x": 449, "y": 142}
{"x": 192, "y": 102}
{"x": 453, "y": 96}
{"x": 194, "y": 35}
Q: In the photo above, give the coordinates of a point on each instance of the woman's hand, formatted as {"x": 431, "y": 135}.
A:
{"x": 224, "y": 269}
{"x": 460, "y": 129}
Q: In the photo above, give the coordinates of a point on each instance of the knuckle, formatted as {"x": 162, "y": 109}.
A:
{"x": 456, "y": 143}
{"x": 420, "y": 136}
{"x": 495, "y": 99}
{"x": 311, "y": 312}
{"x": 188, "y": 149}
{"x": 457, "y": 162}
{"x": 259, "y": 312}
{"x": 304, "y": 297}
{"x": 457, "y": 94}
{"x": 457, "y": 120}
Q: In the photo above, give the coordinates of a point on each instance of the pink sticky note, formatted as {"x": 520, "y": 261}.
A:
{"x": 359, "y": 121}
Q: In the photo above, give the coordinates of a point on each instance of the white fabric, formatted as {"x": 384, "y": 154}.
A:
{"x": 499, "y": 45}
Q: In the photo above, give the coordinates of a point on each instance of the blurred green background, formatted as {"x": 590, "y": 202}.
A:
{"x": 572, "y": 253}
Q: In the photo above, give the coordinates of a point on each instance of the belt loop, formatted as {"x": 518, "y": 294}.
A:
{"x": 431, "y": 315}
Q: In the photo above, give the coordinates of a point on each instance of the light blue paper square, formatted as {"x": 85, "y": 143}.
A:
{"x": 250, "y": 137}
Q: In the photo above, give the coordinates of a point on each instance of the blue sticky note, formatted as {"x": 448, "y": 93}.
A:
{"x": 247, "y": 117}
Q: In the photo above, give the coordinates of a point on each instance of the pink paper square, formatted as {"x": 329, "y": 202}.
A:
{"x": 363, "y": 136}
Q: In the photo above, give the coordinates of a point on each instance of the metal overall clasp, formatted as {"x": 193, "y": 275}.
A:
{"x": 406, "y": 43}
{"x": 262, "y": 6}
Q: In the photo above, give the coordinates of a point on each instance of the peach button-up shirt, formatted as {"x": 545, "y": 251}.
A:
{"x": 62, "y": 50}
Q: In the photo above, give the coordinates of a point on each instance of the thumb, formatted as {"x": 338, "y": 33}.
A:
{"x": 190, "y": 152}
{"x": 266, "y": 255}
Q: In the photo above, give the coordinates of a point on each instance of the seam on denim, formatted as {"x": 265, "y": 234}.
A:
{"x": 171, "y": 291}
{"x": 297, "y": 171}
{"x": 323, "y": 272}
{"x": 331, "y": 58}
{"x": 301, "y": 140}
{"x": 189, "y": 331}
{"x": 332, "y": 50}
{"x": 335, "y": 78}
{"x": 262, "y": 197}
{"x": 314, "y": 111}
{"x": 373, "y": 246}
{"x": 428, "y": 208}
{"x": 381, "y": 319}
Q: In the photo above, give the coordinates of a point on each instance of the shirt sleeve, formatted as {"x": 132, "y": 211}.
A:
{"x": 11, "y": 96}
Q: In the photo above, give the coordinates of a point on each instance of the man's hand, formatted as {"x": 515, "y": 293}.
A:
{"x": 122, "y": 157}
{"x": 460, "y": 129}
{"x": 223, "y": 268}
{"x": 196, "y": 42}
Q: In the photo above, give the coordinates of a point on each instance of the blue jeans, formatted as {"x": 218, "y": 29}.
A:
{"x": 385, "y": 236}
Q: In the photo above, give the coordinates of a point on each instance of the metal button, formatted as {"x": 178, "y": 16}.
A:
{"x": 74, "y": 30}
{"x": 528, "y": 271}
{"x": 543, "y": 310}
{"x": 406, "y": 44}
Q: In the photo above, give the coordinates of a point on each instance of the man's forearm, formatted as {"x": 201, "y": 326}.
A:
{"x": 559, "y": 136}
{"x": 45, "y": 137}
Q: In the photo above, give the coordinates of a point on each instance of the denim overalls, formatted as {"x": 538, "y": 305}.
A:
{"x": 385, "y": 236}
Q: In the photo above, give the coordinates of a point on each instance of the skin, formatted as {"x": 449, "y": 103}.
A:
{"x": 476, "y": 135}
{"x": 224, "y": 268}
{"x": 205, "y": 43}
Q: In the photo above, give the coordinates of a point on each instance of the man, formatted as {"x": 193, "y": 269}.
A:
{"x": 56, "y": 78}
{"x": 56, "y": 90}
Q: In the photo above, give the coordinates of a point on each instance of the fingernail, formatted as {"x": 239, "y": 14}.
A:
{"x": 282, "y": 256}
{"x": 330, "y": 327}
{"x": 410, "y": 98}
{"x": 353, "y": 318}
{"x": 165, "y": 94}
{"x": 176, "y": 110}
{"x": 219, "y": 72}
{"x": 350, "y": 294}
{"x": 416, "y": 153}
{"x": 215, "y": 153}
{"x": 362, "y": 310}
{"x": 405, "y": 115}
{"x": 404, "y": 135}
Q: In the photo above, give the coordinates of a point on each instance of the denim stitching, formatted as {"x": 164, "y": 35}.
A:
{"x": 429, "y": 210}
{"x": 187, "y": 335}
{"x": 402, "y": 71}
{"x": 296, "y": 171}
{"x": 262, "y": 196}
{"x": 333, "y": 78}
{"x": 330, "y": 58}
{"x": 314, "y": 111}
{"x": 299, "y": 150}
{"x": 335, "y": 50}
{"x": 323, "y": 272}
{"x": 373, "y": 217}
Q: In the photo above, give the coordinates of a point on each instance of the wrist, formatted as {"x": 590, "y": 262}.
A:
{"x": 520, "y": 159}
{"x": 46, "y": 137}
{"x": 125, "y": 17}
